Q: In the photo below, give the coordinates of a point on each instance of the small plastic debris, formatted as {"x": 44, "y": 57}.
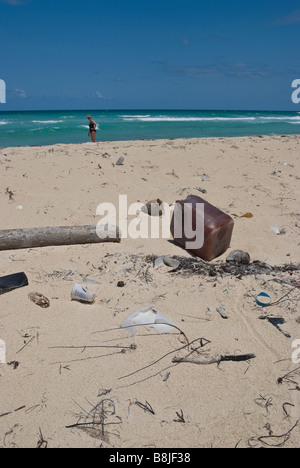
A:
{"x": 82, "y": 295}
{"x": 263, "y": 299}
{"x": 275, "y": 229}
{"x": 11, "y": 282}
{"x": 202, "y": 190}
{"x": 205, "y": 177}
{"x": 168, "y": 261}
{"x": 222, "y": 312}
{"x": 147, "y": 316}
{"x": 246, "y": 215}
{"x": 120, "y": 161}
{"x": 277, "y": 321}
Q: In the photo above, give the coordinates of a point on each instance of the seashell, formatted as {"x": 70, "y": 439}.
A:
{"x": 39, "y": 300}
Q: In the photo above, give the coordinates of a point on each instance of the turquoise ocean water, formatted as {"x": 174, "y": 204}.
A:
{"x": 52, "y": 127}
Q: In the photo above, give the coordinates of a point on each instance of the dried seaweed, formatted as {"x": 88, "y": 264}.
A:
{"x": 195, "y": 266}
{"x": 95, "y": 421}
{"x": 272, "y": 440}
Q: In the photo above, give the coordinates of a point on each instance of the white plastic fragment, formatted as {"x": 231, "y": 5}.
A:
{"x": 147, "y": 316}
{"x": 222, "y": 312}
{"x": 275, "y": 229}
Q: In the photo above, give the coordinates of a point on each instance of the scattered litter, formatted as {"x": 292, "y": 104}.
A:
{"x": 213, "y": 232}
{"x": 147, "y": 316}
{"x": 238, "y": 256}
{"x": 39, "y": 300}
{"x": 166, "y": 377}
{"x": 19, "y": 207}
{"x": 276, "y": 321}
{"x": 263, "y": 299}
{"x": 287, "y": 164}
{"x": 82, "y": 295}
{"x": 222, "y": 312}
{"x": 120, "y": 161}
{"x": 276, "y": 171}
{"x": 277, "y": 231}
{"x": 11, "y": 282}
{"x": 202, "y": 190}
{"x": 121, "y": 284}
{"x": 246, "y": 215}
{"x": 168, "y": 261}
{"x": 204, "y": 178}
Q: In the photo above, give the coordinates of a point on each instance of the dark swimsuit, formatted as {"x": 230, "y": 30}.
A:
{"x": 92, "y": 127}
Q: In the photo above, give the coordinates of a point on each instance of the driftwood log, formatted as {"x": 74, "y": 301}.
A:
{"x": 14, "y": 239}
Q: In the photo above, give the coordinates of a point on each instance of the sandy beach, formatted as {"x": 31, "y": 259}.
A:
{"x": 82, "y": 381}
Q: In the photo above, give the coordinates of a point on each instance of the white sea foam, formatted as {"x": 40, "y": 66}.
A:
{"x": 282, "y": 119}
{"x": 134, "y": 116}
{"x": 47, "y": 121}
{"x": 189, "y": 119}
{"x": 2, "y": 122}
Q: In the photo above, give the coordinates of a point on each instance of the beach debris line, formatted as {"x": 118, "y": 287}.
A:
{"x": 13, "y": 239}
{"x": 11, "y": 282}
{"x": 193, "y": 266}
{"x": 39, "y": 299}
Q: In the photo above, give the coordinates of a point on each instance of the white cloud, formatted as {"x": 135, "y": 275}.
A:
{"x": 13, "y": 2}
{"x": 292, "y": 18}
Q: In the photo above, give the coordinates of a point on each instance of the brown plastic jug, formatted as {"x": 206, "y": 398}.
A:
{"x": 201, "y": 228}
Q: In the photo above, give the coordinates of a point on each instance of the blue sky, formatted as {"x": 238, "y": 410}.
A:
{"x": 149, "y": 54}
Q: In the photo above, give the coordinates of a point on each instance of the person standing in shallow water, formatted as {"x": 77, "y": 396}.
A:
{"x": 93, "y": 126}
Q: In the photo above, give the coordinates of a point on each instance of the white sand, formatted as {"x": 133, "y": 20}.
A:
{"x": 222, "y": 405}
